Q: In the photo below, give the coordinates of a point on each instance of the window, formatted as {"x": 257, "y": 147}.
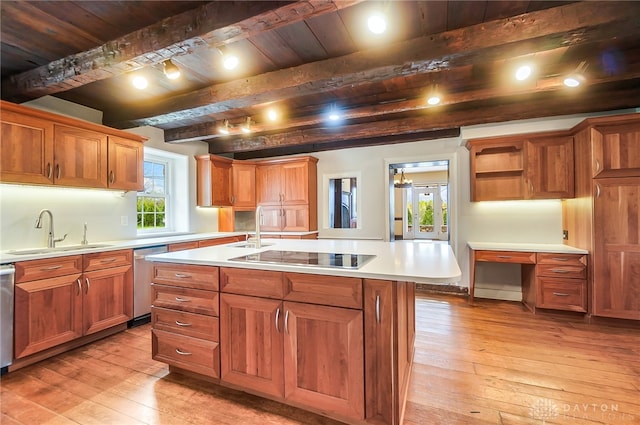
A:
{"x": 163, "y": 206}
{"x": 153, "y": 214}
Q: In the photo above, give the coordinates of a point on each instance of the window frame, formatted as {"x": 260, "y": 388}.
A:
{"x": 168, "y": 205}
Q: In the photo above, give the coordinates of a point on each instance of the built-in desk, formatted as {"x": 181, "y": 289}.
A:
{"x": 554, "y": 276}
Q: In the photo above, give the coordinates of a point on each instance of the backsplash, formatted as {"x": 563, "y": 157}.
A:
{"x": 110, "y": 215}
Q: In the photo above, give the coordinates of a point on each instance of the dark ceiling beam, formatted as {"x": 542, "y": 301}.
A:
{"x": 569, "y": 25}
{"x": 482, "y": 112}
{"x": 209, "y": 130}
{"x": 211, "y": 25}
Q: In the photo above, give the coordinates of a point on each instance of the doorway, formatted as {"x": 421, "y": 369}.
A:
{"x": 420, "y": 201}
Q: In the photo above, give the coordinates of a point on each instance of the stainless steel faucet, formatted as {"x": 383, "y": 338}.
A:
{"x": 258, "y": 222}
{"x": 51, "y": 239}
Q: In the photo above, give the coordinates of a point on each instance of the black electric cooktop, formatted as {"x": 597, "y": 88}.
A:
{"x": 316, "y": 259}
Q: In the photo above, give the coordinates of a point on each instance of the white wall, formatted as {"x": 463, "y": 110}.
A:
{"x": 110, "y": 215}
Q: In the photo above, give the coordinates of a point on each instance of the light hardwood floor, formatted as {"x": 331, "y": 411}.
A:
{"x": 488, "y": 363}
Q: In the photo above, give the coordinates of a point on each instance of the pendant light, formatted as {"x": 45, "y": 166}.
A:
{"x": 403, "y": 183}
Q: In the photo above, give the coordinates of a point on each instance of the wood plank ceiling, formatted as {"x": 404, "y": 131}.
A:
{"x": 309, "y": 56}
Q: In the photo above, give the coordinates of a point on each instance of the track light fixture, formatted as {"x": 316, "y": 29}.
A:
{"x": 577, "y": 77}
{"x": 171, "y": 70}
{"x": 246, "y": 127}
{"x": 434, "y": 97}
{"x": 225, "y": 128}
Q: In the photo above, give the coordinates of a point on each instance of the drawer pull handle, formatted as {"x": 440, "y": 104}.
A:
{"x": 286, "y": 322}
{"x": 560, "y": 259}
{"x": 179, "y": 323}
{"x": 182, "y": 353}
{"x": 183, "y": 275}
{"x": 79, "y": 286}
{"x": 183, "y": 300}
{"x": 561, "y": 271}
{"x": 378, "y": 308}
{"x": 108, "y": 260}
{"x": 49, "y": 171}
{"x": 44, "y": 269}
{"x": 86, "y": 280}
{"x": 504, "y": 256}
{"x": 277, "y": 317}
{"x": 560, "y": 294}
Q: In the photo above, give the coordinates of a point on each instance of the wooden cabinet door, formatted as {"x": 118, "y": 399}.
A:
{"x": 616, "y": 262}
{"x": 295, "y": 218}
{"x": 269, "y": 184}
{"x": 213, "y": 185}
{"x": 272, "y": 219}
{"x": 80, "y": 157}
{"x": 108, "y": 298}
{"x": 616, "y": 151}
{"x": 323, "y": 358}
{"x": 220, "y": 183}
{"x": 26, "y": 144}
{"x": 48, "y": 312}
{"x": 295, "y": 179}
{"x": 550, "y": 168}
{"x": 251, "y": 343}
{"x": 243, "y": 183}
{"x": 125, "y": 161}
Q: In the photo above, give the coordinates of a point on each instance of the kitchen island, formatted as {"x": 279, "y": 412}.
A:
{"x": 333, "y": 338}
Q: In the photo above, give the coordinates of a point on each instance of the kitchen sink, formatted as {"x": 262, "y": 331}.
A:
{"x": 34, "y": 251}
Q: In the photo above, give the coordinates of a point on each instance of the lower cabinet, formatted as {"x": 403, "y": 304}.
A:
{"x": 80, "y": 295}
{"x": 184, "y": 317}
{"x": 341, "y": 347}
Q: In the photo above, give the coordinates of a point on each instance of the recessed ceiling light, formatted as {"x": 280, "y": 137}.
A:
{"x": 272, "y": 114}
{"x": 523, "y": 72}
{"x": 140, "y": 82}
{"x": 433, "y": 99}
{"x": 230, "y": 61}
{"x": 576, "y": 77}
{"x": 377, "y": 23}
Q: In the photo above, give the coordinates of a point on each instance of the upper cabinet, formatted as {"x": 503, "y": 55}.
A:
{"x": 80, "y": 157}
{"x": 536, "y": 166}
{"x": 615, "y": 147}
{"x": 213, "y": 187}
{"x": 125, "y": 164}
{"x": 243, "y": 185}
{"x": 287, "y": 189}
{"x": 43, "y": 148}
{"x": 27, "y": 149}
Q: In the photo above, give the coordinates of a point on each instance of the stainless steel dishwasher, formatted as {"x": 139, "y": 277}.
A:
{"x": 142, "y": 277}
{"x": 7, "y": 273}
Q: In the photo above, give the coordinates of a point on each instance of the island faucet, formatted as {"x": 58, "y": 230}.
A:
{"x": 51, "y": 240}
{"x": 258, "y": 221}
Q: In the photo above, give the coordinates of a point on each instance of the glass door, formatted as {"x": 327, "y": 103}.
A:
{"x": 426, "y": 213}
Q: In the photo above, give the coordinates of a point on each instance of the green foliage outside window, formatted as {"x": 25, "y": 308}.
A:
{"x": 151, "y": 212}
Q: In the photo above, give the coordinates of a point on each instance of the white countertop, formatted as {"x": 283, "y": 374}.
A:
{"x": 420, "y": 262}
{"x": 526, "y": 247}
{"x": 7, "y": 257}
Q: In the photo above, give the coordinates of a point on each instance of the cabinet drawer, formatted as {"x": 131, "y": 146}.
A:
{"x": 506, "y": 257}
{"x": 188, "y": 324}
{"x": 186, "y": 275}
{"x": 181, "y": 246}
{"x": 257, "y": 283}
{"x": 194, "y": 354}
{"x": 325, "y": 290}
{"x": 185, "y": 299}
{"x": 105, "y": 260}
{"x": 27, "y": 271}
{"x": 563, "y": 259}
{"x": 562, "y": 294}
{"x": 220, "y": 241}
{"x": 568, "y": 271}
